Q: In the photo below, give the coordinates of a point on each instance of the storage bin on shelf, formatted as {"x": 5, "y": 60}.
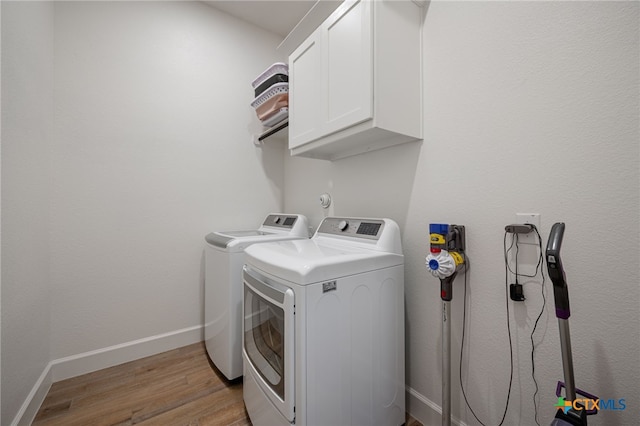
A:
{"x": 272, "y": 106}
{"x": 276, "y": 73}
{"x": 276, "y": 117}
{"x": 271, "y": 103}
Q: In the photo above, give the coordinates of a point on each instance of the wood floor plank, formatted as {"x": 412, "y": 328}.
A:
{"x": 221, "y": 408}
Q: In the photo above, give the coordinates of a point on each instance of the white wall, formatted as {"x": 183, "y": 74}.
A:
{"x": 529, "y": 107}
{"x": 27, "y": 122}
{"x": 126, "y": 131}
{"x": 152, "y": 151}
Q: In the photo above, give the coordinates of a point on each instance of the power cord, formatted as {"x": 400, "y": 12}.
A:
{"x": 544, "y": 301}
{"x": 506, "y": 280}
{"x": 464, "y": 326}
{"x": 540, "y": 257}
{"x": 508, "y": 270}
{"x": 535, "y": 326}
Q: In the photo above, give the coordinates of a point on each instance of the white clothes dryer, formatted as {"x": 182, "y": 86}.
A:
{"x": 323, "y": 336}
{"x": 224, "y": 257}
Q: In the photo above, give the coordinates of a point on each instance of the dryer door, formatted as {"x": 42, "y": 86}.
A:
{"x": 268, "y": 338}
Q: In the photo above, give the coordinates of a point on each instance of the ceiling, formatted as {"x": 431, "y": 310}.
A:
{"x": 276, "y": 16}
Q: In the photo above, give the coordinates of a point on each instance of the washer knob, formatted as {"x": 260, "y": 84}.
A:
{"x": 276, "y": 219}
{"x": 343, "y": 225}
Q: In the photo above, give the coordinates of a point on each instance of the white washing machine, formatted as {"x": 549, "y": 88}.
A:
{"x": 224, "y": 257}
{"x": 323, "y": 336}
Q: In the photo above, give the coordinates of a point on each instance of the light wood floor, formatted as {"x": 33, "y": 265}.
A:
{"x": 179, "y": 387}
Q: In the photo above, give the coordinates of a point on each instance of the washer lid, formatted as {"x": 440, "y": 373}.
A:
{"x": 311, "y": 261}
{"x": 276, "y": 227}
{"x": 226, "y": 240}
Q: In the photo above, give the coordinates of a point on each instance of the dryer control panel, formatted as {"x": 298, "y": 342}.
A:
{"x": 370, "y": 229}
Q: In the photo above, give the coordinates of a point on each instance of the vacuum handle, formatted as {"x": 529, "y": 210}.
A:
{"x": 446, "y": 287}
{"x": 556, "y": 271}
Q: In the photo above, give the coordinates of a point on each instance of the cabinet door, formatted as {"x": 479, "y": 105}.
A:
{"x": 304, "y": 92}
{"x": 347, "y": 66}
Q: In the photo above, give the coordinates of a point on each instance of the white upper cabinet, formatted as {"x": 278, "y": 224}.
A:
{"x": 355, "y": 83}
{"x": 346, "y": 66}
{"x": 305, "y": 61}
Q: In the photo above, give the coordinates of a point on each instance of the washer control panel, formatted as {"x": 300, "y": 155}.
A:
{"x": 280, "y": 221}
{"x": 370, "y": 229}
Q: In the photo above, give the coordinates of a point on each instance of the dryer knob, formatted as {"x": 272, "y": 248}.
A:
{"x": 276, "y": 219}
{"x": 343, "y": 225}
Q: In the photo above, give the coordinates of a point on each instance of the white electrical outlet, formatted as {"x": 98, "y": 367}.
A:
{"x": 532, "y": 218}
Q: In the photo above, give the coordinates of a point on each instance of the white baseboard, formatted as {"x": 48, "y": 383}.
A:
{"x": 32, "y": 404}
{"x": 426, "y": 411}
{"x": 87, "y": 362}
{"x": 76, "y": 365}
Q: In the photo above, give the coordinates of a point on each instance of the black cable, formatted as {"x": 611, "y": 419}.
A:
{"x": 517, "y": 251}
{"x": 514, "y": 241}
{"x": 544, "y": 303}
{"x": 540, "y": 258}
{"x": 506, "y": 282}
{"x": 464, "y": 324}
{"x": 535, "y": 326}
